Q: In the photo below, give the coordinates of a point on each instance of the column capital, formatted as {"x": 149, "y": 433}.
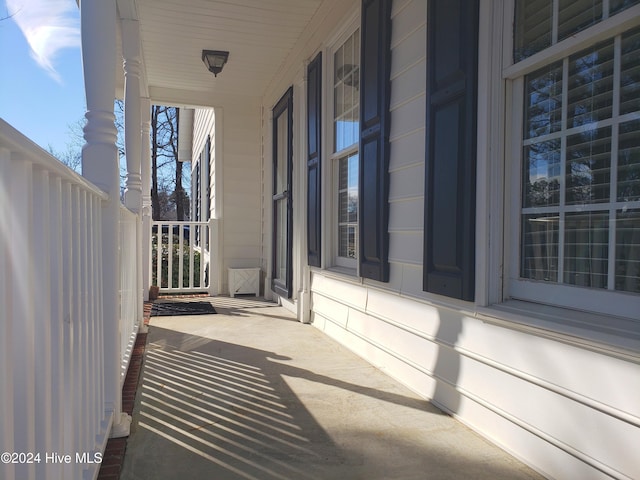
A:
{"x": 130, "y": 39}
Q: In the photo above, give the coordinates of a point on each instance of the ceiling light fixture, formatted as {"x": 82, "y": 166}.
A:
{"x": 214, "y": 60}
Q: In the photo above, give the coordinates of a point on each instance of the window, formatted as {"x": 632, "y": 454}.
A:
{"x": 314, "y": 161}
{"x": 578, "y": 218}
{"x": 201, "y": 194}
{"x": 344, "y": 158}
{"x": 359, "y": 90}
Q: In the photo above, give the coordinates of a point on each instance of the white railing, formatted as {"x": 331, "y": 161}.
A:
{"x": 53, "y": 340}
{"x": 129, "y": 295}
{"x": 180, "y": 258}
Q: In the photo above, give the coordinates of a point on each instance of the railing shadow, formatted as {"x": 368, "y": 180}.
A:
{"x": 213, "y": 409}
{"x": 230, "y": 408}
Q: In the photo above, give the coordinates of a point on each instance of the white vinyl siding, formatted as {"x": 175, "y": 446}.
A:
{"x": 242, "y": 187}
{"x": 406, "y": 143}
{"x": 236, "y": 179}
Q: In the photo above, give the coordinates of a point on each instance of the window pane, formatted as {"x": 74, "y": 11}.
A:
{"x": 343, "y": 174}
{"x": 534, "y": 21}
{"x": 630, "y": 72}
{"x": 541, "y": 174}
{"x": 574, "y": 16}
{"x": 347, "y": 205}
{"x": 629, "y": 162}
{"x": 543, "y": 101}
{"x": 588, "y": 167}
{"x": 280, "y": 269}
{"x": 628, "y": 251}
{"x": 540, "y": 247}
{"x": 353, "y": 173}
{"x": 281, "y": 152}
{"x": 346, "y": 93}
{"x": 616, "y": 6}
{"x": 343, "y": 210}
{"x": 586, "y": 249}
{"x": 532, "y": 27}
{"x": 590, "y": 85}
{"x": 347, "y": 241}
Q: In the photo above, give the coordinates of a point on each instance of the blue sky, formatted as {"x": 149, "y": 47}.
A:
{"x": 41, "y": 86}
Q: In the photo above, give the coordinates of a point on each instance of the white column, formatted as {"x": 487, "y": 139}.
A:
{"x": 217, "y": 156}
{"x": 146, "y": 196}
{"x": 132, "y": 118}
{"x": 100, "y": 166}
{"x": 267, "y": 213}
{"x": 132, "y": 142}
{"x": 300, "y": 244}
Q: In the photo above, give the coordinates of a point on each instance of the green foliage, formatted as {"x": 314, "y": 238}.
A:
{"x": 175, "y": 259}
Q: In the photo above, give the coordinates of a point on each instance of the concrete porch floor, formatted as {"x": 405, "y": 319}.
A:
{"x": 251, "y": 393}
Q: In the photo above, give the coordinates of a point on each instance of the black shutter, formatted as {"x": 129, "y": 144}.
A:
{"x": 375, "y": 91}
{"x": 450, "y": 167}
{"x": 314, "y": 122}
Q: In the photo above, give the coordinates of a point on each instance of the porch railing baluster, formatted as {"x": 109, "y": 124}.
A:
{"x": 43, "y": 375}
{"x": 128, "y": 286}
{"x": 170, "y": 258}
{"x": 180, "y": 258}
{"x": 188, "y": 257}
{"x": 52, "y": 333}
{"x": 56, "y": 357}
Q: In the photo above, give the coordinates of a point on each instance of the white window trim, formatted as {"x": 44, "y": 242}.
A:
{"x": 330, "y": 176}
{"x": 495, "y": 20}
{"x": 499, "y": 183}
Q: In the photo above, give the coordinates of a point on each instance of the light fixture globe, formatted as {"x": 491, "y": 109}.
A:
{"x": 214, "y": 60}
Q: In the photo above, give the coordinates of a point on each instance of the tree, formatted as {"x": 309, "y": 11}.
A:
{"x": 181, "y": 199}
{"x": 169, "y": 199}
{"x": 72, "y": 156}
{"x": 164, "y": 154}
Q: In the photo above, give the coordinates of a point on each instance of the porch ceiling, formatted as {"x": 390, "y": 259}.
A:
{"x": 258, "y": 34}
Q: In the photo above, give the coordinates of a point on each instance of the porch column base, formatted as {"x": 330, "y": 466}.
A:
{"x": 121, "y": 426}
{"x": 304, "y": 306}
{"x": 268, "y": 293}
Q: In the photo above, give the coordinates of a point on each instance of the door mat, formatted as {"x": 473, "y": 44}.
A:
{"x": 174, "y": 309}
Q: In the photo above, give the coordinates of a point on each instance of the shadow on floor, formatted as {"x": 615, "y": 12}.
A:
{"x": 218, "y": 405}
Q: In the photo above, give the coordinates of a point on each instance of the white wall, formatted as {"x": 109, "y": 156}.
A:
{"x": 568, "y": 407}
{"x": 236, "y": 188}
{"x": 242, "y": 198}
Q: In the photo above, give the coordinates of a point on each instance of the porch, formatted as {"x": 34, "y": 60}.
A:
{"x": 251, "y": 393}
